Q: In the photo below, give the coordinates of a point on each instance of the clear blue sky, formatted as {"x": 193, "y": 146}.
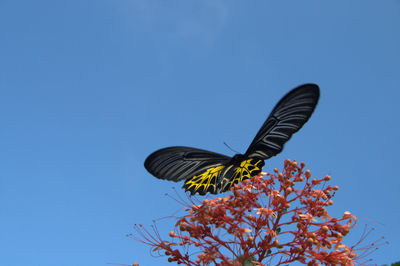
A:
{"x": 89, "y": 88}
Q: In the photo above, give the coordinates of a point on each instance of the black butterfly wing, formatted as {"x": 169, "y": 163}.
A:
{"x": 288, "y": 116}
{"x": 178, "y": 163}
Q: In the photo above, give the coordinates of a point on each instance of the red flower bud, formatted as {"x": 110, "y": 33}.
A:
{"x": 308, "y": 174}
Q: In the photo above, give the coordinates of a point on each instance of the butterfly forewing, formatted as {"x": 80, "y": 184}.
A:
{"x": 178, "y": 163}
{"x": 288, "y": 116}
{"x": 209, "y": 172}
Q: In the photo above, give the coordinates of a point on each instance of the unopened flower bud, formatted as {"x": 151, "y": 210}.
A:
{"x": 182, "y": 227}
{"x": 347, "y": 215}
{"x": 308, "y": 173}
{"x": 276, "y": 170}
{"x": 327, "y": 178}
{"x": 294, "y": 164}
{"x": 325, "y": 228}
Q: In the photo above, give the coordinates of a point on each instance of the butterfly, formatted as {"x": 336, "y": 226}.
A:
{"x": 209, "y": 172}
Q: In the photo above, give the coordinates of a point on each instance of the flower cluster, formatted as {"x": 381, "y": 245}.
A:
{"x": 271, "y": 219}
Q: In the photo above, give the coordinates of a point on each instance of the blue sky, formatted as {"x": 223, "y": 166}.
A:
{"x": 88, "y": 89}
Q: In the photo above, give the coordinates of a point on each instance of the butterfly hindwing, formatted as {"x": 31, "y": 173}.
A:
{"x": 288, "y": 116}
{"x": 204, "y": 182}
{"x": 178, "y": 163}
{"x": 236, "y": 173}
{"x": 221, "y": 178}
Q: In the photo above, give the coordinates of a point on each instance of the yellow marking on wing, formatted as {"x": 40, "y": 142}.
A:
{"x": 243, "y": 171}
{"x": 204, "y": 179}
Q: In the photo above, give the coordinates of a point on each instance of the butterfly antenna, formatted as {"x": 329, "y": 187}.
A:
{"x": 230, "y": 147}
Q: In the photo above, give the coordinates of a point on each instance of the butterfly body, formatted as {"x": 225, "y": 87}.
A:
{"x": 210, "y": 172}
